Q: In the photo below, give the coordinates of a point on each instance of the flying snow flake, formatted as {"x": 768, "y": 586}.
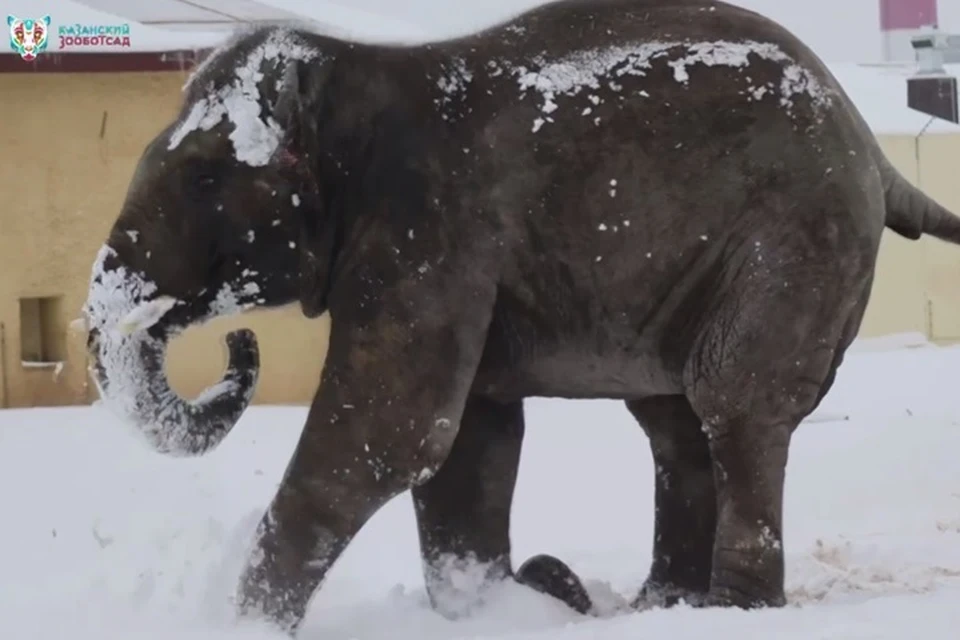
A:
{"x": 456, "y": 80}
{"x": 453, "y": 86}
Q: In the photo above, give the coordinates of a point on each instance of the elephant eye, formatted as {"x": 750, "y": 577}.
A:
{"x": 206, "y": 181}
{"x": 202, "y": 182}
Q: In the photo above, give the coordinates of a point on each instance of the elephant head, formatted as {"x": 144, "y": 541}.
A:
{"x": 210, "y": 226}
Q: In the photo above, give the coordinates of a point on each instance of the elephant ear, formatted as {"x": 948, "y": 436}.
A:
{"x": 318, "y": 257}
{"x": 297, "y": 111}
{"x": 289, "y": 109}
{"x": 299, "y": 102}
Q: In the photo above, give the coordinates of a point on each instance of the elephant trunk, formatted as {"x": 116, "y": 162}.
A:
{"x": 127, "y": 340}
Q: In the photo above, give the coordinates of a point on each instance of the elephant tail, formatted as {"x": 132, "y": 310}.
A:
{"x": 911, "y": 213}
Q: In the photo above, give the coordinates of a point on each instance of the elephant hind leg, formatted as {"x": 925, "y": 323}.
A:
{"x": 685, "y": 514}
{"x": 761, "y": 367}
{"x": 463, "y": 517}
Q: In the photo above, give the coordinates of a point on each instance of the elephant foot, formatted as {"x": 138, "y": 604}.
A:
{"x": 745, "y": 576}
{"x": 662, "y": 596}
{"x": 553, "y": 577}
{"x": 734, "y": 598}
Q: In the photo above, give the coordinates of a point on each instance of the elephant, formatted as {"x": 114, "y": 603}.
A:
{"x": 672, "y": 203}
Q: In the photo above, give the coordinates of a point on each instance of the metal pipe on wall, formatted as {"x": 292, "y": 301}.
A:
{"x": 3, "y": 368}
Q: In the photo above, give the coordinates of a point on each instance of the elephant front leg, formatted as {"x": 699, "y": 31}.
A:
{"x": 384, "y": 419}
{"x": 299, "y": 537}
{"x": 463, "y": 515}
{"x": 463, "y": 512}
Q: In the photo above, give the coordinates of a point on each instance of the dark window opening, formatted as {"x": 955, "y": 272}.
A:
{"x": 41, "y": 340}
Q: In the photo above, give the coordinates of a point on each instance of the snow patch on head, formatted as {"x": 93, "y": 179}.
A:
{"x": 255, "y": 137}
{"x": 595, "y": 68}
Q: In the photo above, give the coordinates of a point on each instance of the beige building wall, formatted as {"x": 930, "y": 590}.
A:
{"x": 898, "y": 300}
{"x": 939, "y": 159}
{"x": 917, "y": 284}
{"x": 71, "y": 142}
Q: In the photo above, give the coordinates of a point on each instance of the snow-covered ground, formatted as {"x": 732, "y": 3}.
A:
{"x": 102, "y": 539}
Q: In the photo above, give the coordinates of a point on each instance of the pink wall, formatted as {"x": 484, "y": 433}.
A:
{"x": 907, "y": 14}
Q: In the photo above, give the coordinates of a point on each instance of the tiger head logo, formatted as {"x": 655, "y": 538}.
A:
{"x": 28, "y": 37}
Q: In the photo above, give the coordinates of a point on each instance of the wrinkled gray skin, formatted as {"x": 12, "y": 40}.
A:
{"x": 696, "y": 239}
